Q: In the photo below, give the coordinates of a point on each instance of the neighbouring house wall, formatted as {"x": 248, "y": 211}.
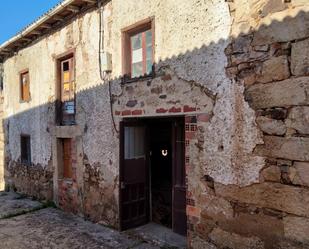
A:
{"x": 268, "y": 59}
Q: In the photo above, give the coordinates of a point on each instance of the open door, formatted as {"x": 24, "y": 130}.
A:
{"x": 134, "y": 201}
{"x": 179, "y": 185}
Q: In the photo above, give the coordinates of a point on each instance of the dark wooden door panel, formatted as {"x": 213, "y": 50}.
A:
{"x": 134, "y": 170}
{"x": 133, "y": 176}
{"x": 179, "y": 185}
{"x": 179, "y": 210}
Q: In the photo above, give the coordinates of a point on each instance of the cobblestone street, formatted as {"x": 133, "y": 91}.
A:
{"x": 27, "y": 224}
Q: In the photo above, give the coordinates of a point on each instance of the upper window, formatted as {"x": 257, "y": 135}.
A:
{"x": 25, "y": 149}
{"x": 138, "y": 50}
{"x": 141, "y": 54}
{"x": 67, "y": 92}
{"x": 25, "y": 86}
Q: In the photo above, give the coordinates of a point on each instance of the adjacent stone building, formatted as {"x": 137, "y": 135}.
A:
{"x": 192, "y": 114}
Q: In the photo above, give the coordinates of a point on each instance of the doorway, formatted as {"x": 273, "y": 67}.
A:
{"x": 161, "y": 177}
{"x": 152, "y": 173}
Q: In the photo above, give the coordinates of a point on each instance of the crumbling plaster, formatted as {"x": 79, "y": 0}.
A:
{"x": 189, "y": 55}
{"x": 97, "y": 141}
{"x": 40, "y": 59}
{"x": 193, "y": 49}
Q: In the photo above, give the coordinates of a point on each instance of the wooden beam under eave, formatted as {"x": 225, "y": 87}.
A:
{"x": 73, "y": 8}
{"x": 58, "y": 18}
{"x": 5, "y": 52}
{"x": 45, "y": 26}
{"x": 26, "y": 39}
{"x": 36, "y": 32}
{"x": 17, "y": 45}
{"x": 90, "y": 1}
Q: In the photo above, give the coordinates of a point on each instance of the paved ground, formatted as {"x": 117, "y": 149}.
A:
{"x": 12, "y": 204}
{"x": 27, "y": 224}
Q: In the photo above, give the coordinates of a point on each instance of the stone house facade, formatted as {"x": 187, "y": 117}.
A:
{"x": 193, "y": 114}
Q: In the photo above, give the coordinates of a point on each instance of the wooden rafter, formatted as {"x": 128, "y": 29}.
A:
{"x": 58, "y": 18}
{"x": 45, "y": 26}
{"x": 25, "y": 39}
{"x": 73, "y": 8}
{"x": 36, "y": 32}
{"x": 90, "y": 1}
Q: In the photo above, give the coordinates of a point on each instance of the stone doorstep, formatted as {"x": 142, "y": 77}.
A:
{"x": 158, "y": 235}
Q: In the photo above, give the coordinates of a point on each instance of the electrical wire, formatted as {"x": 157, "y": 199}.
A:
{"x": 103, "y": 75}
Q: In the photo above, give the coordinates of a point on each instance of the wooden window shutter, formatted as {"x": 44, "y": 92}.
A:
{"x": 67, "y": 158}
{"x": 25, "y": 86}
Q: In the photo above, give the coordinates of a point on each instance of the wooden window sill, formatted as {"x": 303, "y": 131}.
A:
{"x": 127, "y": 80}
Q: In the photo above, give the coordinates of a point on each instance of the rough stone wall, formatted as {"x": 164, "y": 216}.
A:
{"x": 268, "y": 60}
{"x": 35, "y": 180}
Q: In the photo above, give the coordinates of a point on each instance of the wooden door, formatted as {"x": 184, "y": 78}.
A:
{"x": 67, "y": 158}
{"x": 179, "y": 185}
{"x": 134, "y": 201}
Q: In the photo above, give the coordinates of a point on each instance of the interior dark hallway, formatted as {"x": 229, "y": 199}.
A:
{"x": 161, "y": 172}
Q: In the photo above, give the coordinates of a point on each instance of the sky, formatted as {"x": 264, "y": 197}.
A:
{"x": 15, "y": 15}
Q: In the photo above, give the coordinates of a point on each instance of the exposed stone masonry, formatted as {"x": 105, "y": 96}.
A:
{"x": 33, "y": 180}
{"x": 273, "y": 213}
{"x": 95, "y": 190}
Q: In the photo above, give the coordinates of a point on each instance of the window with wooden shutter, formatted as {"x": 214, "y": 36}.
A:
{"x": 67, "y": 92}
{"x": 25, "y": 86}
{"x": 25, "y": 149}
{"x": 67, "y": 157}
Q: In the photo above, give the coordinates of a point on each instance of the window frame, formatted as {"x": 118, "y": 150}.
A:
{"x": 69, "y": 55}
{"x": 28, "y": 152}
{"x": 21, "y": 90}
{"x": 127, "y": 33}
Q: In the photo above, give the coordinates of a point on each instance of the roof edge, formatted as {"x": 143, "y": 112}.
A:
{"x": 39, "y": 21}
{"x": 70, "y": 5}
